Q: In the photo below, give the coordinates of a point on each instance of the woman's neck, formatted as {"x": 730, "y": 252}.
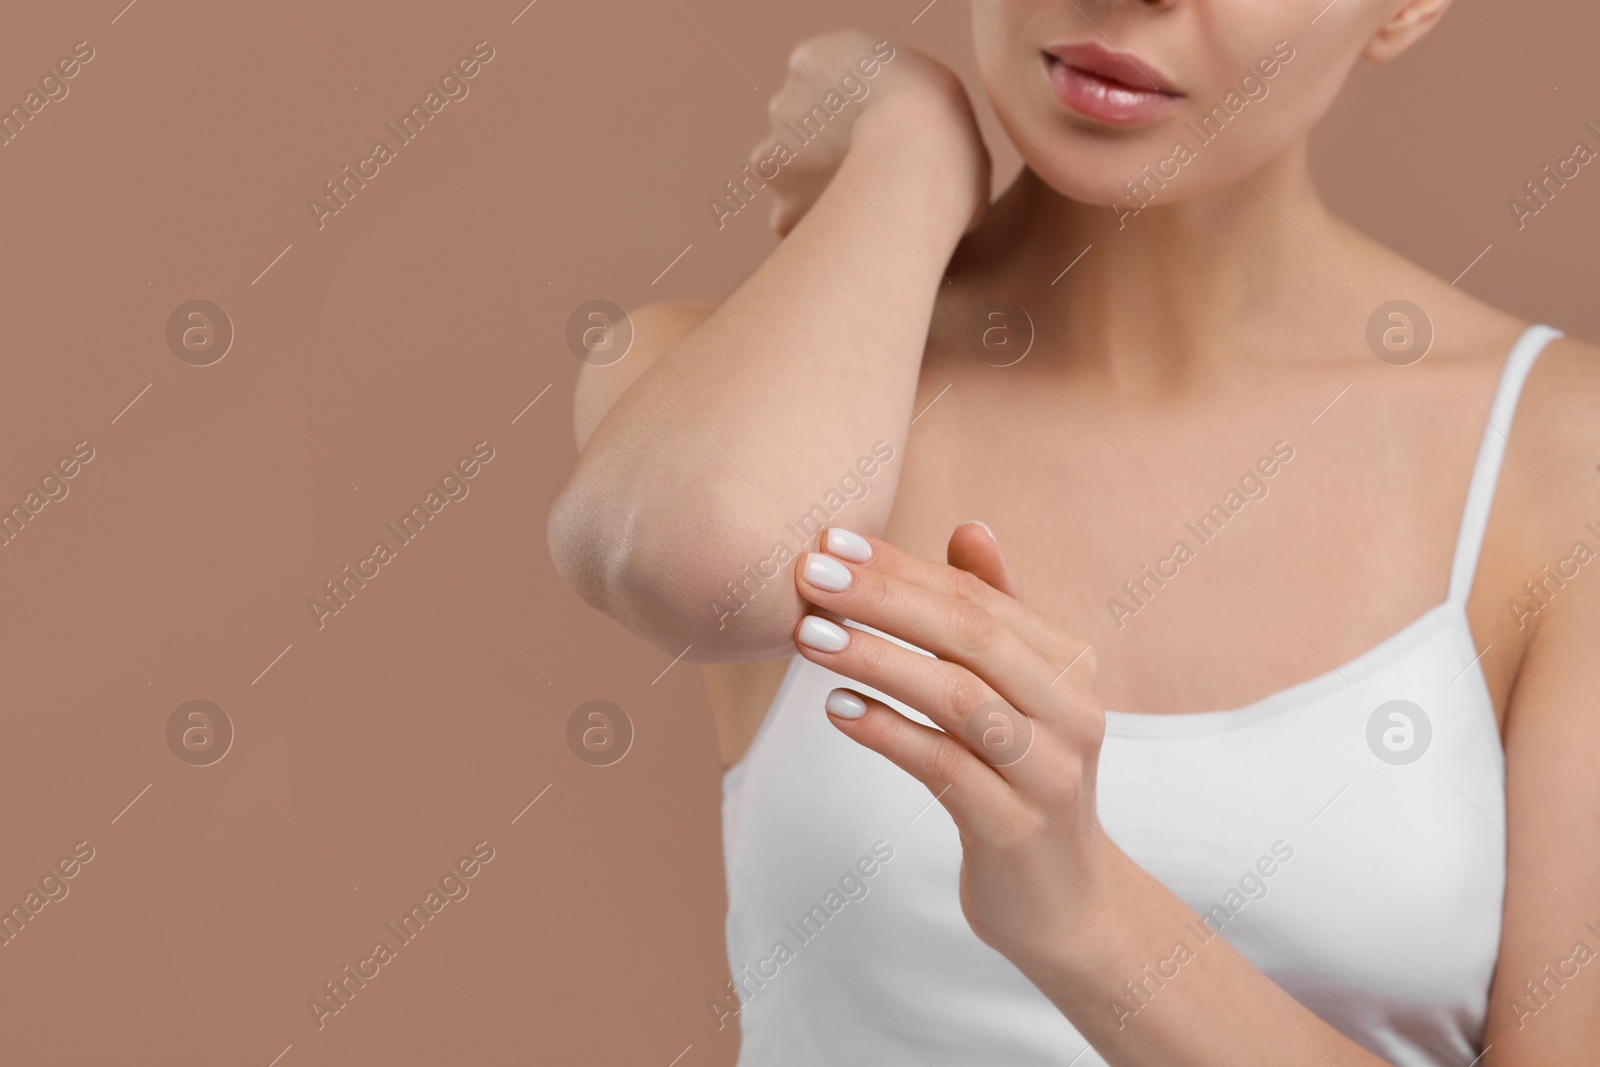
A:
{"x": 1174, "y": 290}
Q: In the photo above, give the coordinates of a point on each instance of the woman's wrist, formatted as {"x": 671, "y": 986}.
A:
{"x": 1115, "y": 919}
{"x": 928, "y": 149}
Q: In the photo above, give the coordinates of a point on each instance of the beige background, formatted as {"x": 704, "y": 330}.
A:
{"x": 373, "y": 753}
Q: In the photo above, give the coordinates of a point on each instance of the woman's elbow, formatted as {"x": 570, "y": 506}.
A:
{"x": 707, "y": 582}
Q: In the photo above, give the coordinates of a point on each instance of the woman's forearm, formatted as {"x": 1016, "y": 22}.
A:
{"x": 714, "y": 456}
{"x": 1149, "y": 984}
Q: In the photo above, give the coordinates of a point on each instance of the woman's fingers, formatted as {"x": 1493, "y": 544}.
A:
{"x": 961, "y": 629}
{"x": 975, "y": 797}
{"x": 869, "y": 554}
{"x": 973, "y": 549}
{"x": 959, "y": 703}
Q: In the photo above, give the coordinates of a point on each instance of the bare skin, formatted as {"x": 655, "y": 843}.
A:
{"x": 1179, "y": 350}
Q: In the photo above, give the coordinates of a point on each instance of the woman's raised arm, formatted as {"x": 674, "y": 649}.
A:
{"x": 728, "y": 443}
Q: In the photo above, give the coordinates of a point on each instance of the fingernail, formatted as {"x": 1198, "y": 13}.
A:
{"x": 845, "y": 704}
{"x": 825, "y": 572}
{"x": 846, "y": 545}
{"x": 980, "y": 522}
{"x": 822, "y": 635}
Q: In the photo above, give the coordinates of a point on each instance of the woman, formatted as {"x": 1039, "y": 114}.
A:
{"x": 1241, "y": 457}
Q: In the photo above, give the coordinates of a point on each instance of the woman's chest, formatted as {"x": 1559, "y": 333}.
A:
{"x": 1369, "y": 885}
{"x": 1211, "y": 553}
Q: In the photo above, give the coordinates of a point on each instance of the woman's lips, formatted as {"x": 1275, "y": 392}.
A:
{"x": 1107, "y": 99}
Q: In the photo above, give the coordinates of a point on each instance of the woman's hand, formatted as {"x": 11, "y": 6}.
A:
{"x": 1019, "y": 727}
{"x": 920, "y": 96}
{"x": 1013, "y": 761}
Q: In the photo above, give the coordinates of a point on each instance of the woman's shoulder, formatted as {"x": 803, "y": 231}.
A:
{"x": 1550, "y": 471}
{"x": 1549, "y": 480}
{"x": 1557, "y": 422}
{"x": 1546, "y": 511}
{"x": 1471, "y": 340}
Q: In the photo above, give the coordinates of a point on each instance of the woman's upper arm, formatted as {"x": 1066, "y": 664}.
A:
{"x": 1551, "y": 936}
{"x": 657, "y": 329}
{"x": 1545, "y": 1005}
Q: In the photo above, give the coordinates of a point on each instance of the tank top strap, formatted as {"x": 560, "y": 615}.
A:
{"x": 1491, "y": 456}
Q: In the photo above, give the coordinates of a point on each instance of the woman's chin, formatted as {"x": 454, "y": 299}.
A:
{"x": 1121, "y": 180}
{"x": 1094, "y": 182}
{"x": 1085, "y": 168}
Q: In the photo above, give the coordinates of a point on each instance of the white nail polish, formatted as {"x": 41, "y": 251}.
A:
{"x": 845, "y": 704}
{"x": 980, "y": 522}
{"x": 825, "y": 572}
{"x": 846, "y": 545}
{"x": 822, "y": 635}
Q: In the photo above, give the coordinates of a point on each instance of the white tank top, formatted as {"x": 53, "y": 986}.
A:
{"x": 1344, "y": 834}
